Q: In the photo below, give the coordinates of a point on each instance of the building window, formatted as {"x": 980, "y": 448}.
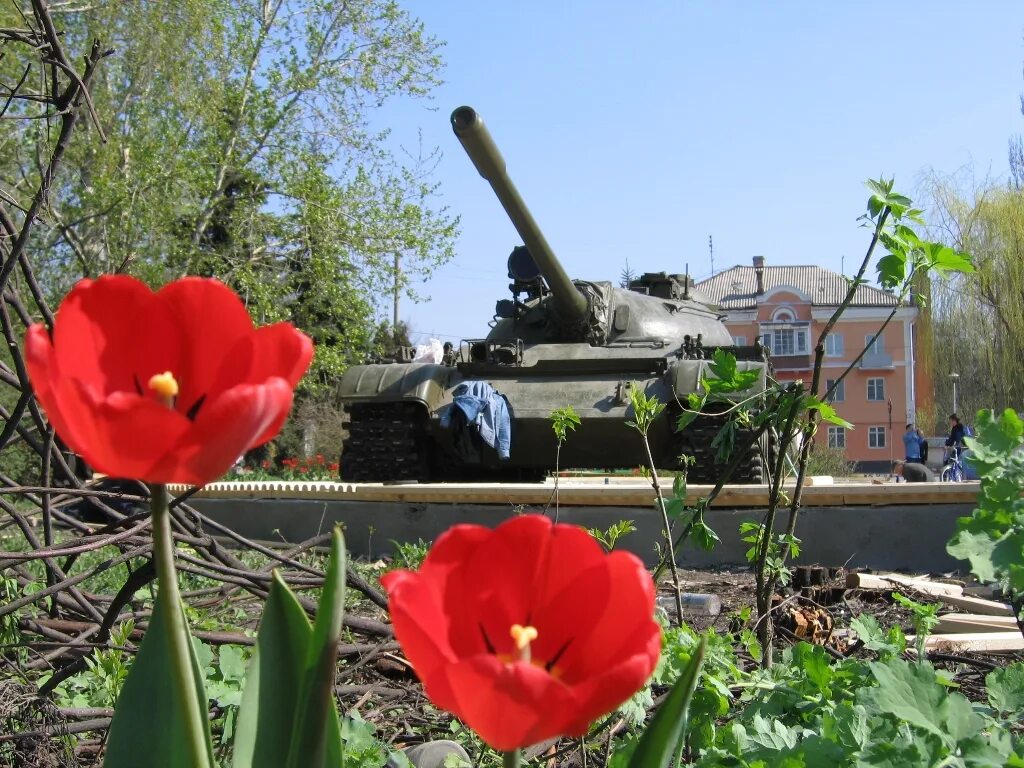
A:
{"x": 876, "y": 437}
{"x": 876, "y": 390}
{"x": 785, "y": 341}
{"x": 837, "y": 437}
{"x": 783, "y": 315}
{"x": 839, "y": 396}
{"x": 739, "y": 341}
{"x": 834, "y": 345}
{"x": 874, "y": 347}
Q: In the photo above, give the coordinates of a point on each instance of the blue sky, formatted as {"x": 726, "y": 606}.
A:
{"x": 634, "y": 133}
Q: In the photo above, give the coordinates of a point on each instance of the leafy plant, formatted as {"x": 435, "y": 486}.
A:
{"x": 775, "y": 562}
{"x": 410, "y": 554}
{"x": 647, "y": 408}
{"x": 925, "y": 617}
{"x": 610, "y": 535}
{"x": 992, "y": 538}
{"x": 100, "y": 683}
{"x": 563, "y": 421}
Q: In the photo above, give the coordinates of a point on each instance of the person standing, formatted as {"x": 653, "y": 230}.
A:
{"x": 922, "y": 442}
{"x": 955, "y": 441}
{"x": 912, "y": 445}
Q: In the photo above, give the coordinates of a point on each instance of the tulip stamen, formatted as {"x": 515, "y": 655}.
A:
{"x": 522, "y": 637}
{"x": 165, "y": 386}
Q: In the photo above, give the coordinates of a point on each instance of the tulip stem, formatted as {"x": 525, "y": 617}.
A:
{"x": 178, "y": 639}
{"x": 512, "y": 759}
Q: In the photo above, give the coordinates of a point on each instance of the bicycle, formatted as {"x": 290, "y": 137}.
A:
{"x": 952, "y": 467}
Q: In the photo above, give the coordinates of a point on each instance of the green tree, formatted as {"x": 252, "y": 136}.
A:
{"x": 977, "y": 318}
{"x": 242, "y": 143}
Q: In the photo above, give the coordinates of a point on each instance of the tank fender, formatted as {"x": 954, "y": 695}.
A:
{"x": 684, "y": 377}
{"x": 423, "y": 382}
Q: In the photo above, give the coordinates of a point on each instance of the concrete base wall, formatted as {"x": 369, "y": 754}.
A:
{"x": 910, "y": 537}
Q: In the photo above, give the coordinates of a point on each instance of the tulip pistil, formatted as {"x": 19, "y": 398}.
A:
{"x": 165, "y": 386}
{"x": 522, "y": 637}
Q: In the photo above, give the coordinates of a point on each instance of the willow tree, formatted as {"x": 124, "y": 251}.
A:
{"x": 978, "y": 319}
{"x": 241, "y": 143}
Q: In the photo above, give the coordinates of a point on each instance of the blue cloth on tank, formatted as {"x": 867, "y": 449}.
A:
{"x": 486, "y": 409}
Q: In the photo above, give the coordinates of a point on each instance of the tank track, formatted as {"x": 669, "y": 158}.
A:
{"x": 386, "y": 442}
{"x": 696, "y": 441}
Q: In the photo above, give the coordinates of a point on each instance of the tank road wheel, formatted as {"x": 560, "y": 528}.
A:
{"x": 386, "y": 442}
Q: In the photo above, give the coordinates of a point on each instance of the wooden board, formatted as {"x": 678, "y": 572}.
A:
{"x": 982, "y": 642}
{"x": 594, "y": 492}
{"x": 977, "y": 605}
{"x": 896, "y": 581}
{"x": 955, "y": 623}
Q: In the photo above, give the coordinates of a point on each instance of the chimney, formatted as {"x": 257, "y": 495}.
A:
{"x": 759, "y": 272}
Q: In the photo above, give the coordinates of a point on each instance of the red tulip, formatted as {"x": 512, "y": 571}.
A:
{"x": 528, "y": 631}
{"x": 164, "y": 387}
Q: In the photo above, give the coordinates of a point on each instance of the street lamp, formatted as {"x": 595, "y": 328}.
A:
{"x": 954, "y": 377}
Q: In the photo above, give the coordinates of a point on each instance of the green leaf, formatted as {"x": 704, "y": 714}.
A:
{"x": 317, "y": 735}
{"x": 892, "y": 270}
{"x": 729, "y": 378}
{"x": 1005, "y": 688}
{"x": 703, "y": 536}
{"x": 976, "y": 548}
{"x": 285, "y": 681}
{"x": 910, "y": 692}
{"x": 667, "y": 729}
{"x": 874, "y": 639}
{"x": 826, "y": 412}
{"x": 272, "y": 686}
{"x": 685, "y": 419}
{"x": 944, "y": 259}
{"x": 148, "y": 722}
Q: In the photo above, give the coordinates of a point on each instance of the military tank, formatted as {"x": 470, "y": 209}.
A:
{"x": 555, "y": 342}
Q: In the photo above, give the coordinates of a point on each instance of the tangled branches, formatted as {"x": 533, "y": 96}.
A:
{"x": 61, "y": 534}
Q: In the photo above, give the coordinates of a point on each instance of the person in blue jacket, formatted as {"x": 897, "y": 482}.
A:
{"x": 912, "y": 445}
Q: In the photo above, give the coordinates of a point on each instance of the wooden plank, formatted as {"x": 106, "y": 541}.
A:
{"x": 590, "y": 492}
{"x": 981, "y": 642}
{"x": 955, "y": 623}
{"x": 977, "y": 605}
{"x": 895, "y": 581}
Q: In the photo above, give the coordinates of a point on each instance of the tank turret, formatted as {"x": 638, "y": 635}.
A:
{"x": 569, "y": 304}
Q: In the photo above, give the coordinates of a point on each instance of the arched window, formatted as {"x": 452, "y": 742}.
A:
{"x": 783, "y": 315}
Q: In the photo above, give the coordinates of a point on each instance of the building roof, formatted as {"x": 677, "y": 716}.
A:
{"x": 736, "y": 287}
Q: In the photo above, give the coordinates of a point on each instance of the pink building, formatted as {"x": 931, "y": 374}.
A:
{"x": 788, "y": 307}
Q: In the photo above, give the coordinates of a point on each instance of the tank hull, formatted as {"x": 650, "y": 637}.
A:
{"x": 414, "y": 400}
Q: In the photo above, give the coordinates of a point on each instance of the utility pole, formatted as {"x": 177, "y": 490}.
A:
{"x": 394, "y": 321}
{"x": 711, "y": 253}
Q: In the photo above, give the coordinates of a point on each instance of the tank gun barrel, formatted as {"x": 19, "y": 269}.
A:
{"x": 570, "y": 304}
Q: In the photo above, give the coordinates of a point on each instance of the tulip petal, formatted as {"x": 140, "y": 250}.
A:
{"x": 112, "y": 333}
{"x": 44, "y": 374}
{"x": 223, "y": 431}
{"x": 606, "y": 690}
{"x": 508, "y": 705}
{"x": 214, "y": 320}
{"x": 422, "y": 628}
{"x": 129, "y": 434}
{"x": 274, "y": 350}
